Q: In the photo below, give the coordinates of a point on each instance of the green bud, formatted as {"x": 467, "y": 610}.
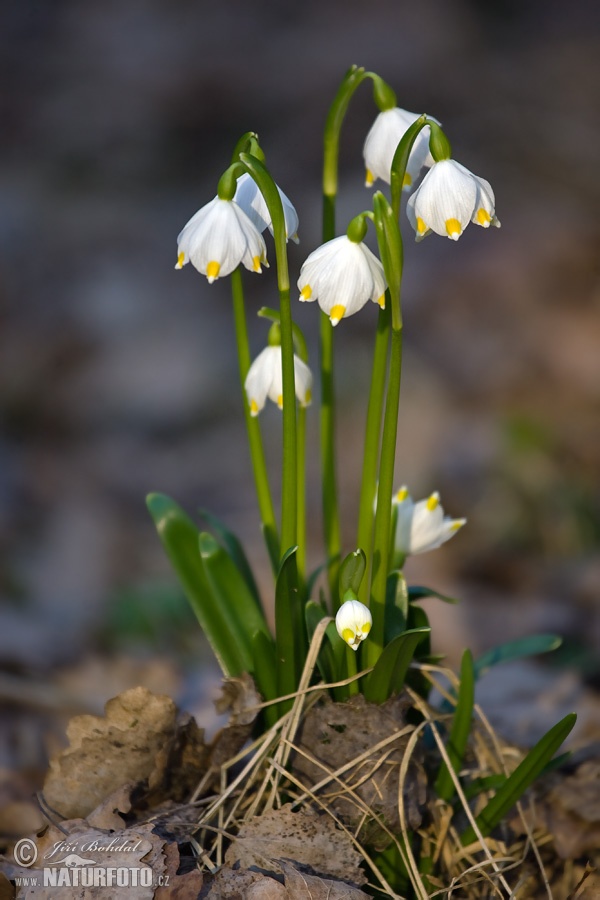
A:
{"x": 228, "y": 183}
{"x": 352, "y": 571}
{"x": 439, "y": 144}
{"x": 357, "y": 229}
{"x": 383, "y": 95}
{"x": 274, "y": 338}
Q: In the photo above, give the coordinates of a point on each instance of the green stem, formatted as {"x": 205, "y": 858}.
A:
{"x": 301, "y": 485}
{"x": 371, "y": 449}
{"x": 383, "y": 516}
{"x": 257, "y": 455}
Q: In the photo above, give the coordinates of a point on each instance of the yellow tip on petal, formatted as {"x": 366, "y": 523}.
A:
{"x": 212, "y": 271}
{"x": 454, "y": 229}
{"x": 280, "y": 401}
{"x": 336, "y": 313}
{"x": 365, "y": 628}
{"x": 369, "y": 178}
{"x": 483, "y": 218}
{"x": 348, "y": 635}
{"x": 306, "y": 292}
{"x": 307, "y": 398}
{"x": 254, "y": 408}
{"x": 421, "y": 226}
{"x": 407, "y": 181}
{"x": 180, "y": 260}
{"x": 402, "y": 494}
{"x": 256, "y": 264}
{"x": 457, "y": 524}
{"x": 381, "y": 301}
{"x": 433, "y": 502}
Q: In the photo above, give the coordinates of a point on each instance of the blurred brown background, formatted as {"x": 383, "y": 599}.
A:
{"x": 118, "y": 374}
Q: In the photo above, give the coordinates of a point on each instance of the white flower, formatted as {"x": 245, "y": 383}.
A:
{"x": 218, "y": 238}
{"x": 248, "y": 196}
{"x": 448, "y": 198}
{"x": 382, "y": 140}
{"x": 421, "y": 526}
{"x": 265, "y": 379}
{"x": 353, "y": 622}
{"x": 342, "y": 275}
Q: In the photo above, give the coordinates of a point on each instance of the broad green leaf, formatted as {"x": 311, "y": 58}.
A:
{"x": 352, "y": 571}
{"x": 232, "y": 593}
{"x": 235, "y": 551}
{"x": 396, "y": 606}
{"x": 390, "y": 670}
{"x": 418, "y": 618}
{"x": 528, "y": 646}
{"x": 179, "y": 537}
{"x": 265, "y": 673}
{"x": 290, "y": 629}
{"x": 418, "y": 592}
{"x": 461, "y": 728}
{"x": 327, "y": 660}
{"x": 523, "y": 776}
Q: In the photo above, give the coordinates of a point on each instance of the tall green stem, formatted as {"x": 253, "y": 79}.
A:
{"x": 301, "y": 503}
{"x": 371, "y": 447}
{"x": 257, "y": 455}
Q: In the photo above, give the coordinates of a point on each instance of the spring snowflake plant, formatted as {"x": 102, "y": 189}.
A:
{"x": 370, "y": 633}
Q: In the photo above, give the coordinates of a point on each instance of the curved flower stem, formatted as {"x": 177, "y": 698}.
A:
{"x": 371, "y": 447}
{"x": 257, "y": 455}
{"x": 301, "y": 500}
{"x": 289, "y": 496}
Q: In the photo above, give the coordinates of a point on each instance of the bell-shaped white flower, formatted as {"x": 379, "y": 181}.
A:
{"x": 218, "y": 238}
{"x": 448, "y": 198}
{"x": 342, "y": 275}
{"x": 421, "y": 526}
{"x": 265, "y": 379}
{"x": 353, "y": 622}
{"x": 382, "y": 140}
{"x": 248, "y": 196}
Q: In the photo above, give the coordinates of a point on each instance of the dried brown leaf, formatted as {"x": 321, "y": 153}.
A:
{"x": 311, "y": 887}
{"x": 186, "y": 886}
{"x": 306, "y": 837}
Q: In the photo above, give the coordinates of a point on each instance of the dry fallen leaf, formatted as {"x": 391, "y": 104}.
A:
{"x": 310, "y": 887}
{"x": 306, "y": 837}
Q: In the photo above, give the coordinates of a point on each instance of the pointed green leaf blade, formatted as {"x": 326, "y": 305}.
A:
{"x": 235, "y": 551}
{"x": 523, "y": 776}
{"x": 290, "y": 629}
{"x": 461, "y": 728}
{"x": 179, "y": 537}
{"x": 528, "y": 646}
{"x": 419, "y": 592}
{"x": 390, "y": 670}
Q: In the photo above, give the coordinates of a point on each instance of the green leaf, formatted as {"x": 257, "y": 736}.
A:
{"x": 523, "y": 776}
{"x": 179, "y": 537}
{"x": 265, "y": 673}
{"x": 236, "y": 552}
{"x": 352, "y": 572}
{"x": 290, "y": 627}
{"x": 461, "y": 728}
{"x": 328, "y": 662}
{"x": 417, "y": 592}
{"x": 390, "y": 670}
{"x": 396, "y": 606}
{"x": 232, "y": 595}
{"x": 528, "y": 646}
{"x": 418, "y": 618}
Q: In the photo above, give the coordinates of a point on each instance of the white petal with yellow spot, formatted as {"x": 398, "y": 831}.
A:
{"x": 342, "y": 275}
{"x": 450, "y": 197}
{"x": 250, "y": 199}
{"x": 382, "y": 140}
{"x": 353, "y": 622}
{"x": 421, "y": 526}
{"x": 218, "y": 238}
{"x": 265, "y": 379}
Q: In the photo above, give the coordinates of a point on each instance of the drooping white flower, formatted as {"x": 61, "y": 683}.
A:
{"x": 248, "y": 196}
{"x": 448, "y": 198}
{"x": 421, "y": 526}
{"x": 353, "y": 622}
{"x": 218, "y": 238}
{"x": 265, "y": 379}
{"x": 382, "y": 140}
{"x": 342, "y": 275}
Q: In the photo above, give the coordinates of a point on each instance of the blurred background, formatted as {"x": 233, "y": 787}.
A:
{"x": 118, "y": 374}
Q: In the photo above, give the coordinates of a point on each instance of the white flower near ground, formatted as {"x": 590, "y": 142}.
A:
{"x": 218, "y": 238}
{"x": 382, "y": 140}
{"x": 265, "y": 379}
{"x": 353, "y": 622}
{"x": 448, "y": 198}
{"x": 250, "y": 199}
{"x": 342, "y": 275}
{"x": 421, "y": 526}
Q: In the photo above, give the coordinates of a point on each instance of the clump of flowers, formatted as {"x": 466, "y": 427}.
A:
{"x": 355, "y": 614}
